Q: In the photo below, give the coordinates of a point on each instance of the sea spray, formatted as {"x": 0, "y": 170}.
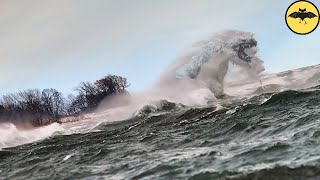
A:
{"x": 10, "y": 135}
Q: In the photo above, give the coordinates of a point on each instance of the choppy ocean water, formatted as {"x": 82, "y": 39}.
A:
{"x": 270, "y": 136}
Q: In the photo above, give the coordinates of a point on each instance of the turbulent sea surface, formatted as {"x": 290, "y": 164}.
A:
{"x": 269, "y": 136}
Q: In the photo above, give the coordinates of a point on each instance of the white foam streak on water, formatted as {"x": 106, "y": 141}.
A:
{"x": 67, "y": 157}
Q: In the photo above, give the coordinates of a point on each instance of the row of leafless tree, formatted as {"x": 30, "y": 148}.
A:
{"x": 49, "y": 105}
{"x": 91, "y": 94}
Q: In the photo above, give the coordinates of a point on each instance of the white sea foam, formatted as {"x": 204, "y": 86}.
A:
{"x": 10, "y": 135}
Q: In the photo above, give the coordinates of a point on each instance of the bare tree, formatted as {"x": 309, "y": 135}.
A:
{"x": 49, "y": 105}
{"x": 112, "y": 84}
{"x": 53, "y": 103}
{"x": 90, "y": 95}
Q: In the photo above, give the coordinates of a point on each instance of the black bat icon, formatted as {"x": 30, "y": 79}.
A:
{"x": 302, "y": 14}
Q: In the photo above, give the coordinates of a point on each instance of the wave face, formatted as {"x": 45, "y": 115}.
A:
{"x": 273, "y": 135}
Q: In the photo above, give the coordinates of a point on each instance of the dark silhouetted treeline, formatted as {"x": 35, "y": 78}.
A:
{"x": 49, "y": 105}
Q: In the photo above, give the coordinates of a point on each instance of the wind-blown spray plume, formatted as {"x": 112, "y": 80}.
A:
{"x": 208, "y": 62}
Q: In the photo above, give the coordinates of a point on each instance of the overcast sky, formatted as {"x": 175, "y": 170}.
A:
{"x": 59, "y": 43}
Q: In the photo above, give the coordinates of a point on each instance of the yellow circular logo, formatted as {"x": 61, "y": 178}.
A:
{"x": 302, "y": 17}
